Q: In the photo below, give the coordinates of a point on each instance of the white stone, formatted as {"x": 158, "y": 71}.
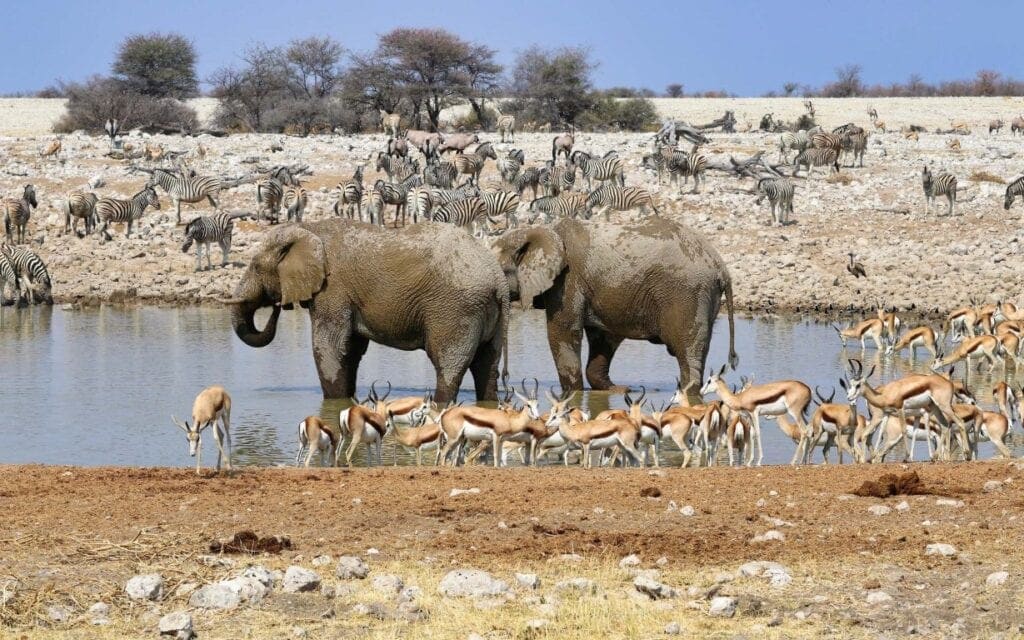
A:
{"x": 673, "y": 629}
{"x": 940, "y": 549}
{"x": 471, "y": 583}
{"x": 175, "y": 623}
{"x": 388, "y": 583}
{"x": 458, "y": 492}
{"x": 879, "y": 510}
{"x": 320, "y": 561}
{"x": 350, "y": 567}
{"x": 771, "y": 535}
{"x": 688, "y": 511}
{"x": 949, "y": 502}
{"x": 632, "y": 560}
{"x": 149, "y": 586}
{"x": 722, "y": 607}
{"x": 582, "y": 585}
{"x": 878, "y": 597}
{"x": 903, "y": 506}
{"x": 261, "y": 573}
{"x": 251, "y": 590}
{"x": 653, "y": 589}
{"x": 298, "y": 579}
{"x": 214, "y": 596}
{"x": 528, "y": 580}
{"x": 992, "y": 485}
{"x": 997, "y": 578}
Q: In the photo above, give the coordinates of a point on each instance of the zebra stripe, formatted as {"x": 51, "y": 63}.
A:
{"x": 467, "y": 212}
{"x": 190, "y": 189}
{"x": 792, "y": 141}
{"x": 17, "y": 213}
{"x": 116, "y": 210}
{"x": 8, "y": 278}
{"x": 600, "y": 169}
{"x": 530, "y": 177}
{"x": 558, "y": 207}
{"x": 943, "y": 184}
{"x": 510, "y": 164}
{"x": 294, "y": 201}
{"x": 696, "y": 166}
{"x": 779, "y": 192}
{"x": 419, "y": 201}
{"x": 79, "y": 205}
{"x": 440, "y": 174}
{"x": 439, "y": 197}
{"x": 472, "y": 164}
{"x": 207, "y": 229}
{"x": 269, "y": 194}
{"x": 30, "y": 270}
{"x": 856, "y": 143}
{"x": 816, "y": 157}
{"x": 397, "y": 194}
{"x": 396, "y": 168}
{"x": 1014, "y": 189}
{"x": 350, "y": 195}
{"x": 555, "y": 180}
{"x": 506, "y": 125}
{"x": 501, "y": 204}
{"x": 822, "y": 140}
{"x": 614, "y": 197}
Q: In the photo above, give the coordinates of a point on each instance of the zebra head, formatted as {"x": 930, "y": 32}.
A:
{"x": 151, "y": 198}
{"x": 1008, "y": 199}
{"x": 29, "y": 195}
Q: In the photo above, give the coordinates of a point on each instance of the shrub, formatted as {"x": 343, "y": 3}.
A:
{"x": 92, "y": 103}
{"x": 985, "y": 176}
{"x": 158, "y": 65}
{"x": 629, "y": 114}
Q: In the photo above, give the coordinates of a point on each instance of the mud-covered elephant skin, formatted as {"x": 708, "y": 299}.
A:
{"x": 428, "y": 287}
{"x": 653, "y": 280}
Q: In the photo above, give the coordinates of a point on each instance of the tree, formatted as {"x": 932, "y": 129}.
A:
{"x": 789, "y": 88}
{"x": 554, "y": 85}
{"x": 158, "y": 65}
{"x": 246, "y": 95}
{"x": 435, "y": 68}
{"x": 314, "y": 65}
{"x": 674, "y": 90}
{"x": 986, "y": 82}
{"x": 847, "y": 83}
{"x": 91, "y": 103}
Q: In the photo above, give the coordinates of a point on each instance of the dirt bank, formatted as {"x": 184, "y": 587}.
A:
{"x": 74, "y": 536}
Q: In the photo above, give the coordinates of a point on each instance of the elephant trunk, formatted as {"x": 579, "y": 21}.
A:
{"x": 243, "y": 318}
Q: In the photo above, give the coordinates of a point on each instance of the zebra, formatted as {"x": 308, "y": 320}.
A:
{"x": 847, "y": 128}
{"x": 294, "y": 201}
{"x": 501, "y": 203}
{"x": 614, "y": 197}
{"x": 8, "y": 278}
{"x": 350, "y": 195}
{"x": 31, "y": 271}
{"x": 1015, "y": 188}
{"x": 530, "y": 177}
{"x": 600, "y": 169}
{"x": 79, "y": 205}
{"x": 186, "y": 188}
{"x": 397, "y": 195}
{"x": 207, "y": 229}
{"x": 116, "y": 210}
{"x": 472, "y": 164}
{"x": 795, "y": 141}
{"x": 943, "y": 184}
{"x": 440, "y": 174}
{"x": 696, "y": 166}
{"x": 816, "y": 157}
{"x": 555, "y": 179}
{"x": 510, "y": 164}
{"x": 557, "y": 207}
{"x": 269, "y": 194}
{"x": 439, "y": 197}
{"x": 17, "y": 212}
{"x": 822, "y": 140}
{"x": 779, "y": 192}
{"x": 562, "y": 144}
{"x": 467, "y": 212}
{"x": 419, "y": 201}
{"x": 374, "y": 207}
{"x": 856, "y": 144}
{"x": 668, "y": 159}
{"x": 396, "y": 168}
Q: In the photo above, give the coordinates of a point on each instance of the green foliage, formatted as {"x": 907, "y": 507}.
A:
{"x": 158, "y": 65}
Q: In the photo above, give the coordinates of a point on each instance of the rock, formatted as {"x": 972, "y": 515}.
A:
{"x": 581, "y": 585}
{"x": 997, "y": 578}
{"x": 214, "y": 596}
{"x": 632, "y": 560}
{"x": 176, "y": 624}
{"x": 320, "y": 561}
{"x": 879, "y": 510}
{"x": 100, "y": 613}
{"x": 722, "y": 607}
{"x": 251, "y": 590}
{"x": 350, "y": 567}
{"x": 688, "y": 511}
{"x": 96, "y": 182}
{"x": 903, "y": 506}
{"x": 471, "y": 583}
{"x": 388, "y": 583}
{"x": 878, "y": 597}
{"x": 992, "y": 485}
{"x": 328, "y": 590}
{"x": 771, "y": 535}
{"x": 778, "y": 575}
{"x": 409, "y": 594}
{"x": 653, "y": 589}
{"x": 673, "y": 629}
{"x": 940, "y": 549}
{"x": 949, "y": 502}
{"x": 299, "y": 632}
{"x": 299, "y": 580}
{"x": 261, "y": 573}
{"x": 458, "y": 492}
{"x": 149, "y": 586}
{"x": 58, "y": 613}
{"x": 528, "y": 580}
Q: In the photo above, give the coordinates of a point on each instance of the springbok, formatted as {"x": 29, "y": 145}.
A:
{"x": 472, "y": 423}
{"x": 424, "y": 434}
{"x": 923, "y": 336}
{"x": 1008, "y": 400}
{"x": 553, "y": 442}
{"x": 318, "y": 437}
{"x": 916, "y": 392}
{"x": 839, "y": 423}
{"x": 985, "y": 346}
{"x": 407, "y": 410}
{"x": 364, "y": 426}
{"x": 873, "y": 328}
{"x": 960, "y": 322}
{"x": 770, "y": 399}
{"x": 213, "y": 404}
{"x": 602, "y": 434}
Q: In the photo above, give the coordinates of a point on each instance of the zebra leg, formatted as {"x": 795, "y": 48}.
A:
{"x": 225, "y": 247}
{"x": 199, "y": 257}
{"x": 209, "y": 265}
{"x": 177, "y": 210}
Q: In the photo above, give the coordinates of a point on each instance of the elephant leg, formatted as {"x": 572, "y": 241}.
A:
{"x": 601, "y": 349}
{"x": 484, "y": 368}
{"x": 337, "y": 352}
{"x": 451, "y": 355}
{"x": 565, "y": 337}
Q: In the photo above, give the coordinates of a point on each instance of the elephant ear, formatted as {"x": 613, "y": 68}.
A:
{"x": 538, "y": 256}
{"x": 302, "y": 265}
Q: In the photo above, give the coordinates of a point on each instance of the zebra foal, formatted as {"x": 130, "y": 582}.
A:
{"x": 79, "y": 206}
{"x": 17, "y": 213}
{"x": 816, "y": 157}
{"x": 204, "y": 230}
{"x": 941, "y": 184}
{"x": 779, "y": 192}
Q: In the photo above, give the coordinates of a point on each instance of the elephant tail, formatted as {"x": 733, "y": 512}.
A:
{"x": 506, "y": 309}
{"x": 734, "y": 360}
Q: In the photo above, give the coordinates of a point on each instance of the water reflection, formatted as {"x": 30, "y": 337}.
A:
{"x": 103, "y": 383}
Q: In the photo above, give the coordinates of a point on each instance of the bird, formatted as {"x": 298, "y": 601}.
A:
{"x": 856, "y": 268}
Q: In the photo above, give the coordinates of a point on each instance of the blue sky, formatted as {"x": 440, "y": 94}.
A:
{"x": 745, "y": 47}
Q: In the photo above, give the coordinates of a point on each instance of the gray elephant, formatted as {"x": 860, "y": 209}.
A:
{"x": 428, "y": 287}
{"x": 654, "y": 280}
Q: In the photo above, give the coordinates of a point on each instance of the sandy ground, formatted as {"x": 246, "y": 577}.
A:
{"x": 73, "y": 537}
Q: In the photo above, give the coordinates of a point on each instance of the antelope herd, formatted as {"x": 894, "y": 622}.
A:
{"x": 933, "y": 406}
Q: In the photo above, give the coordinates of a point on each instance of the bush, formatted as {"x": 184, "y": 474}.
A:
{"x": 306, "y": 116}
{"x": 92, "y": 103}
{"x": 629, "y": 114}
{"x": 158, "y": 65}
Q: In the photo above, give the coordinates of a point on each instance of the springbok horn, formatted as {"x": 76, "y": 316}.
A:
{"x": 388, "y": 393}
{"x": 536, "y": 388}
{"x": 643, "y": 394}
{"x": 373, "y": 392}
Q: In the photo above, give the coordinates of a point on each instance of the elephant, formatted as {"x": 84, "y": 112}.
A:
{"x": 428, "y": 287}
{"x": 654, "y": 280}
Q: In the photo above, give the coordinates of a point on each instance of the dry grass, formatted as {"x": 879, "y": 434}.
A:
{"x": 985, "y": 176}
{"x": 839, "y": 178}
